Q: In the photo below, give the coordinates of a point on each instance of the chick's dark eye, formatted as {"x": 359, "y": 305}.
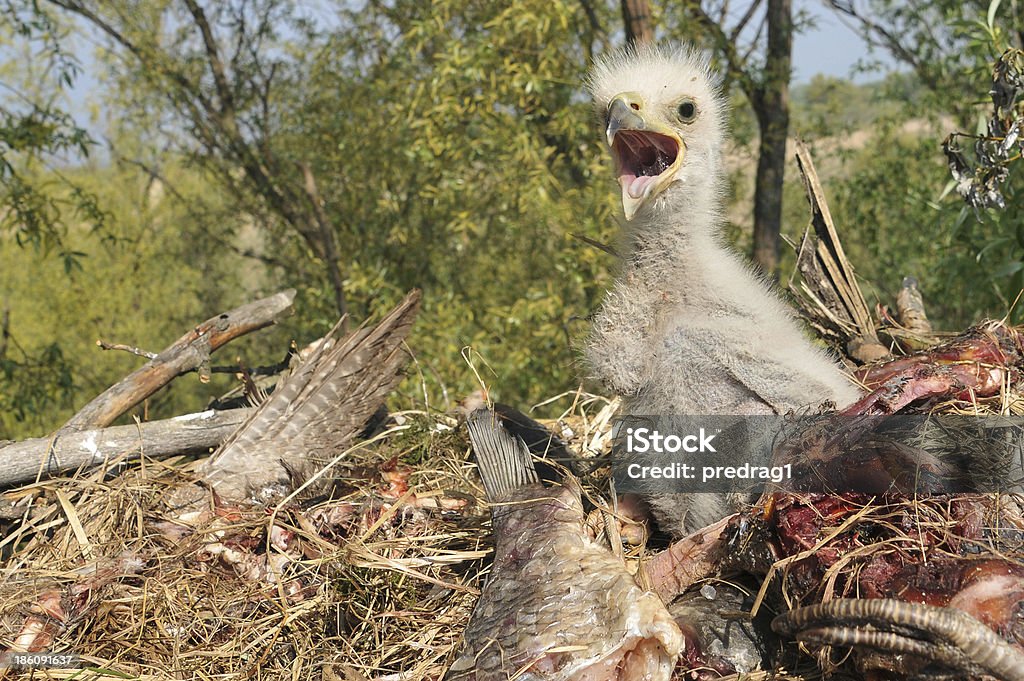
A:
{"x": 687, "y": 111}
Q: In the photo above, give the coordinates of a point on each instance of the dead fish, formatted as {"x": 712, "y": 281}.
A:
{"x": 557, "y": 605}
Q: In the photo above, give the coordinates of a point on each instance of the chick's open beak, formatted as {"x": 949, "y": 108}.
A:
{"x": 647, "y": 153}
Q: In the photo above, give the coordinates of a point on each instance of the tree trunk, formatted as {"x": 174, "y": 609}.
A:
{"x": 332, "y": 258}
{"x": 772, "y": 109}
{"x": 636, "y": 16}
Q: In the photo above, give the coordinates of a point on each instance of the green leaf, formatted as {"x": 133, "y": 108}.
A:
{"x": 992, "y": 9}
{"x": 1008, "y": 269}
{"x": 950, "y": 186}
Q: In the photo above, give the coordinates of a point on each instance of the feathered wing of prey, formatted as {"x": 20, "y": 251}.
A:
{"x": 314, "y": 412}
{"x": 688, "y": 328}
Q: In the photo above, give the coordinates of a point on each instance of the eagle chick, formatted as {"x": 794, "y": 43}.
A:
{"x": 688, "y": 328}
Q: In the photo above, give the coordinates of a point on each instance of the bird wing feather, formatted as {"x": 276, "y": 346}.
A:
{"x": 316, "y": 410}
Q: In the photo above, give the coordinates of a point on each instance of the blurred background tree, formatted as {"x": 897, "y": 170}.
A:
{"x": 356, "y": 150}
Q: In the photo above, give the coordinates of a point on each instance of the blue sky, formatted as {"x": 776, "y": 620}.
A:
{"x": 831, "y": 48}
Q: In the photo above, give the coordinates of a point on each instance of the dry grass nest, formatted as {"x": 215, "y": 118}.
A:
{"x": 376, "y": 582}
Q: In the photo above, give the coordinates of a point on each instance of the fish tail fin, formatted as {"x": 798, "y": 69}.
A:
{"x": 504, "y": 461}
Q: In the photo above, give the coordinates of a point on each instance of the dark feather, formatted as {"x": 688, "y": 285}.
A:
{"x": 504, "y": 461}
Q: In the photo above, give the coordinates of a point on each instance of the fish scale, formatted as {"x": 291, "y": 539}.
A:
{"x": 557, "y": 605}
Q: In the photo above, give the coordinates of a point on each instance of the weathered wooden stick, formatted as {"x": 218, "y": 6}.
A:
{"x": 910, "y": 308}
{"x": 186, "y": 354}
{"x": 70, "y": 450}
{"x": 828, "y": 273}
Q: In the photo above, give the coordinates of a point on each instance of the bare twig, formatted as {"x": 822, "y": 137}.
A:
{"x": 737, "y": 65}
{"x": 330, "y": 244}
{"x": 191, "y": 351}
{"x": 879, "y": 36}
{"x": 266, "y": 370}
{"x": 5, "y": 331}
{"x": 744, "y": 20}
{"x": 594, "y": 21}
{"x": 104, "y": 345}
{"x": 220, "y": 79}
{"x": 596, "y": 244}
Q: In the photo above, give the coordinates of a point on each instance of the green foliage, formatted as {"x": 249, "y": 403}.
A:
{"x": 993, "y": 235}
{"x": 455, "y": 152}
{"x": 32, "y": 385}
{"x": 459, "y": 154}
{"x": 147, "y": 287}
{"x": 878, "y": 150}
{"x": 968, "y": 268}
{"x": 932, "y": 38}
{"x": 34, "y": 131}
{"x": 834, "y": 107}
{"x": 886, "y": 182}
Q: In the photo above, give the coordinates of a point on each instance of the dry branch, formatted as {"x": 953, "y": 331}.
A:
{"x": 910, "y": 308}
{"x": 73, "y": 450}
{"x": 130, "y": 349}
{"x": 186, "y": 354}
{"x": 828, "y": 288}
{"x": 910, "y": 328}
